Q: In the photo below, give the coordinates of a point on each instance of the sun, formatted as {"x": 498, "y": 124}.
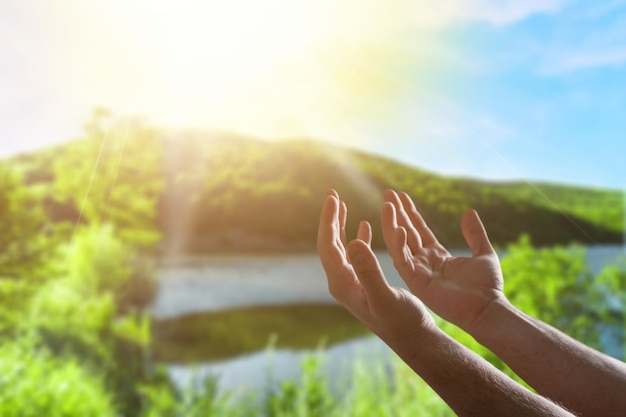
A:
{"x": 217, "y": 63}
{"x": 268, "y": 68}
{"x": 342, "y": 71}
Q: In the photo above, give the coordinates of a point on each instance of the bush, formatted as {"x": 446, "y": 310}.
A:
{"x": 556, "y": 286}
{"x": 78, "y": 313}
{"x": 33, "y": 384}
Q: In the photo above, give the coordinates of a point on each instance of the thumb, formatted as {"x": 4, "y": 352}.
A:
{"x": 475, "y": 234}
{"x": 367, "y": 269}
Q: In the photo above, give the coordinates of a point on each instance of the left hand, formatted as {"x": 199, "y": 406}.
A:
{"x": 356, "y": 280}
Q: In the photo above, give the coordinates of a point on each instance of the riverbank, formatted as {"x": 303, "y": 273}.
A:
{"x": 202, "y": 284}
{"x": 251, "y": 297}
{"x": 192, "y": 284}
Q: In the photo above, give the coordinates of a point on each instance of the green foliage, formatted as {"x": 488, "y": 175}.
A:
{"x": 27, "y": 244}
{"x": 14, "y": 298}
{"x": 556, "y": 286}
{"x": 203, "y": 191}
{"x": 379, "y": 389}
{"x": 310, "y": 397}
{"x": 197, "y": 400}
{"x": 81, "y": 314}
{"x": 112, "y": 176}
{"x": 34, "y": 383}
{"x": 605, "y": 209}
{"x": 71, "y": 322}
{"x": 234, "y": 184}
{"x": 81, "y": 301}
{"x": 274, "y": 190}
{"x": 73, "y": 337}
{"x": 23, "y": 237}
{"x": 550, "y": 214}
{"x": 97, "y": 261}
{"x": 372, "y": 389}
{"x": 94, "y": 270}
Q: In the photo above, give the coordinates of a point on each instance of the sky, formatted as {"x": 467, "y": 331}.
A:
{"x": 497, "y": 90}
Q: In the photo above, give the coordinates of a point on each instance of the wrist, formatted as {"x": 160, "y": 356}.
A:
{"x": 495, "y": 319}
{"x": 414, "y": 341}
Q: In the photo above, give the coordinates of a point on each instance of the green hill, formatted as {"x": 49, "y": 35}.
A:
{"x": 207, "y": 192}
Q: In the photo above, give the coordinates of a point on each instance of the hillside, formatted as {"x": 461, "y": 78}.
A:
{"x": 206, "y": 192}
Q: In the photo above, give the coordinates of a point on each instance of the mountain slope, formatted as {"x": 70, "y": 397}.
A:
{"x": 225, "y": 192}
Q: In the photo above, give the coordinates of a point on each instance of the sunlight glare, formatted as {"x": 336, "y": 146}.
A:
{"x": 219, "y": 63}
{"x": 267, "y": 68}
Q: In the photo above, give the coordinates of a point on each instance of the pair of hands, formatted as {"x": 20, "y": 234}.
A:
{"x": 458, "y": 289}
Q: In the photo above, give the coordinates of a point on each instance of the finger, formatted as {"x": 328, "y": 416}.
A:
{"x": 428, "y": 237}
{"x": 475, "y": 234}
{"x": 413, "y": 237}
{"x": 389, "y": 223}
{"x": 365, "y": 232}
{"x": 343, "y": 210}
{"x": 401, "y": 255}
{"x": 343, "y": 217}
{"x": 330, "y": 251}
{"x": 368, "y": 271}
{"x": 333, "y": 192}
{"x": 343, "y": 283}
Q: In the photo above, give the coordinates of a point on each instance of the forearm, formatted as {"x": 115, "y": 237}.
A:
{"x": 556, "y": 365}
{"x": 468, "y": 383}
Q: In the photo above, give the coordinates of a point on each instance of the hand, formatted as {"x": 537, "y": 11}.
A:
{"x": 459, "y": 289}
{"x": 356, "y": 280}
{"x": 468, "y": 383}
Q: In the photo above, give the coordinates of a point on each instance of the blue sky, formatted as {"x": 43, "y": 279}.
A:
{"x": 543, "y": 97}
{"x": 483, "y": 88}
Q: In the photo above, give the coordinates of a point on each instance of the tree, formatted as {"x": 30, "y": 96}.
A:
{"x": 113, "y": 175}
{"x": 23, "y": 227}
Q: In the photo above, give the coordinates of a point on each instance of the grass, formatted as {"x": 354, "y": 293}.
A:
{"x": 366, "y": 387}
{"x": 371, "y": 389}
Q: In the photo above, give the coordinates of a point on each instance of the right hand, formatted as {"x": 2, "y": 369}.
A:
{"x": 458, "y": 289}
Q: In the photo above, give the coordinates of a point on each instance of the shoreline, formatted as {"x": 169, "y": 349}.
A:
{"x": 203, "y": 283}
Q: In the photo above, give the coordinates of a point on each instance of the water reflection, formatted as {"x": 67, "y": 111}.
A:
{"x": 220, "y": 335}
{"x": 216, "y": 316}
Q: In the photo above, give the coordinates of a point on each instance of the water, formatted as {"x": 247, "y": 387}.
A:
{"x": 210, "y": 286}
{"x": 219, "y": 335}
{"x": 258, "y": 371}
{"x": 259, "y": 299}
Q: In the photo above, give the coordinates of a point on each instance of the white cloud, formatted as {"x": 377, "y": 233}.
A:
{"x": 576, "y": 60}
{"x": 70, "y": 56}
{"x": 585, "y": 36}
{"x": 599, "y": 41}
{"x": 498, "y": 12}
{"x": 501, "y": 12}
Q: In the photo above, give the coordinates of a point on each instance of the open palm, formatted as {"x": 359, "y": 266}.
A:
{"x": 356, "y": 280}
{"x": 459, "y": 289}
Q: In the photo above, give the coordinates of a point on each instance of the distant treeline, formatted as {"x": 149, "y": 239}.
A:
{"x": 196, "y": 191}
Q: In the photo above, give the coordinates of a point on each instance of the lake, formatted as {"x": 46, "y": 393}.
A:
{"x": 218, "y": 315}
